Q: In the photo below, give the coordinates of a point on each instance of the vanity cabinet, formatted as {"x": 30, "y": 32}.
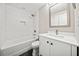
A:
{"x": 52, "y": 47}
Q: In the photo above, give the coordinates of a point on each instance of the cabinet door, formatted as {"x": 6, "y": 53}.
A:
{"x": 60, "y": 49}
{"x": 44, "y": 46}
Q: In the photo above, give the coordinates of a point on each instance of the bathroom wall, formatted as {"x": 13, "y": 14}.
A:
{"x": 2, "y": 23}
{"x": 19, "y": 23}
{"x": 44, "y": 21}
{"x": 15, "y": 24}
{"x": 36, "y": 21}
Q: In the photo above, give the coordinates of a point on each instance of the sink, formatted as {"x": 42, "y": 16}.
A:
{"x": 57, "y": 36}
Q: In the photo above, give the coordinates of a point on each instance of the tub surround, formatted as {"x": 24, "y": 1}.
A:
{"x": 16, "y": 30}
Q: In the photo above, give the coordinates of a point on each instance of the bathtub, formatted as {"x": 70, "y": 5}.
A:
{"x": 16, "y": 47}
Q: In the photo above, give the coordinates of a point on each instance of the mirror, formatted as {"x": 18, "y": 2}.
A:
{"x": 59, "y": 15}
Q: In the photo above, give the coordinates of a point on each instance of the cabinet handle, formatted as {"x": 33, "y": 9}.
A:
{"x": 51, "y": 43}
{"x": 47, "y": 41}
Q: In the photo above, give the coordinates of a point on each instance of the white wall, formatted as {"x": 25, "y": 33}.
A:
{"x": 14, "y": 28}
{"x": 11, "y": 26}
{"x": 2, "y": 23}
{"x": 36, "y": 21}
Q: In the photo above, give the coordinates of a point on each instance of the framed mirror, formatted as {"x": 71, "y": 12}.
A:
{"x": 59, "y": 15}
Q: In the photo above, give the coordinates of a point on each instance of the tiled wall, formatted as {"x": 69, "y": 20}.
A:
{"x": 15, "y": 23}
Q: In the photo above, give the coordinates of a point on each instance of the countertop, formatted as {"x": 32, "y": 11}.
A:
{"x": 67, "y": 39}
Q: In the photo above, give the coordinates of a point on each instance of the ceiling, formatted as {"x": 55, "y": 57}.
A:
{"x": 29, "y": 7}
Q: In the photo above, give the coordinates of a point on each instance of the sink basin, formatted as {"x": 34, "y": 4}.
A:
{"x": 58, "y": 36}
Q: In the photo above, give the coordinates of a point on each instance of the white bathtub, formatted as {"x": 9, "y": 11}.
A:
{"x": 16, "y": 47}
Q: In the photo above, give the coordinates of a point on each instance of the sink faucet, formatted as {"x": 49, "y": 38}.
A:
{"x": 56, "y": 32}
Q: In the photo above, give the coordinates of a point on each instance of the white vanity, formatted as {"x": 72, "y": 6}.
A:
{"x": 57, "y": 45}
{"x": 63, "y": 44}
